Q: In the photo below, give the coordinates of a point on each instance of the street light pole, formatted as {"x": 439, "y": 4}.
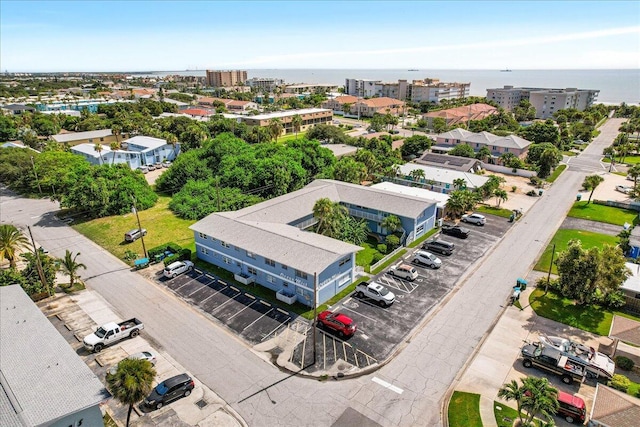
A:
{"x": 36, "y": 175}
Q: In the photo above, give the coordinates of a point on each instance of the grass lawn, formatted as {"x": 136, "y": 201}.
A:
{"x": 505, "y": 415}
{"x": 629, "y": 160}
{"x": 494, "y": 210}
{"x": 556, "y": 173}
{"x": 464, "y": 410}
{"x": 364, "y": 258}
{"x": 561, "y": 240}
{"x": 161, "y": 224}
{"x": 291, "y": 137}
{"x": 602, "y": 213}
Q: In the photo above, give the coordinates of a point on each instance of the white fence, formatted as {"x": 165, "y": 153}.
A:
{"x": 509, "y": 171}
{"x": 383, "y": 260}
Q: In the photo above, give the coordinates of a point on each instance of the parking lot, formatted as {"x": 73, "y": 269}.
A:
{"x": 381, "y": 330}
{"x": 249, "y": 317}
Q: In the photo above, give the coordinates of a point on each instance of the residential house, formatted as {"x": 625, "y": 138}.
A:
{"x": 498, "y": 145}
{"x": 241, "y": 106}
{"x": 454, "y": 116}
{"x": 613, "y": 408}
{"x": 181, "y": 105}
{"x": 100, "y": 136}
{"x": 545, "y": 101}
{"x": 436, "y": 179}
{"x": 309, "y": 116}
{"x": 631, "y": 288}
{"x": 43, "y": 382}
{"x": 137, "y": 151}
{"x": 440, "y": 199}
{"x": 337, "y": 104}
{"x": 267, "y": 243}
{"x": 17, "y": 109}
{"x": 197, "y": 112}
{"x": 457, "y": 163}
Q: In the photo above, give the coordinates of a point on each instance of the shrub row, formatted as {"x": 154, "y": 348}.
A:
{"x": 171, "y": 247}
{"x": 182, "y": 255}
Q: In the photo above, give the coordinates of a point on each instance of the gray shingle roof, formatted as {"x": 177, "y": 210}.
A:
{"x": 39, "y": 369}
{"x": 76, "y": 136}
{"x": 511, "y": 141}
{"x": 614, "y": 408}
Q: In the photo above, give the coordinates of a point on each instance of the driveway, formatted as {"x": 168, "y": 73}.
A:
{"x": 594, "y": 226}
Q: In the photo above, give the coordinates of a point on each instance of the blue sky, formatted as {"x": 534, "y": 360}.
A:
{"x": 176, "y": 35}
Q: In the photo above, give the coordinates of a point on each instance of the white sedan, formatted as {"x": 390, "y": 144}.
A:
{"x": 624, "y": 189}
{"x": 176, "y": 268}
{"x": 143, "y": 355}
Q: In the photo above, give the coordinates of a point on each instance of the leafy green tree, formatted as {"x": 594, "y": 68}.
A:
{"x": 30, "y": 273}
{"x": 69, "y": 266}
{"x": 330, "y": 216}
{"x": 8, "y": 128}
{"x": 417, "y": 175}
{"x": 275, "y": 128}
{"x": 459, "y": 202}
{"x": 131, "y": 382}
{"x": 634, "y": 172}
{"x": 488, "y": 189}
{"x": 513, "y": 391}
{"x": 459, "y": 183}
{"x": 484, "y": 154}
{"x": 439, "y": 124}
{"x": 539, "y": 132}
{"x": 462, "y": 150}
{"x": 193, "y": 137}
{"x": 524, "y": 111}
{"x": 590, "y": 183}
{"x": 11, "y": 276}
{"x": 353, "y": 230}
{"x": 377, "y": 122}
{"x": 536, "y": 397}
{"x": 327, "y": 133}
{"x": 349, "y": 170}
{"x": 549, "y": 159}
{"x": 501, "y": 195}
{"x": 11, "y": 241}
{"x": 187, "y": 166}
{"x": 415, "y": 145}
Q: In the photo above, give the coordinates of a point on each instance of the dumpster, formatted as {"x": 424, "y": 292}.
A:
{"x": 579, "y": 197}
{"x": 521, "y": 283}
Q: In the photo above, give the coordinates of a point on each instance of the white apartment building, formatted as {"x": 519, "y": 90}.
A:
{"x": 265, "y": 83}
{"x": 545, "y": 101}
{"x": 431, "y": 90}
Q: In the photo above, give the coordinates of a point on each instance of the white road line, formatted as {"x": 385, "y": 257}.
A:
{"x": 245, "y": 307}
{"x": 278, "y": 327}
{"x": 387, "y": 385}
{"x": 251, "y": 324}
{"x": 360, "y": 314}
{"x": 227, "y": 301}
{"x": 199, "y": 289}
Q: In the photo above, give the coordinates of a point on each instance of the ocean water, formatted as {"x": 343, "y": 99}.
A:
{"x": 615, "y": 86}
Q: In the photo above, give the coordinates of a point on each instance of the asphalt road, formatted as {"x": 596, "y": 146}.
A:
{"x": 407, "y": 391}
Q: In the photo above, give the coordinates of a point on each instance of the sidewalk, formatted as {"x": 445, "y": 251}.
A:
{"x": 83, "y": 311}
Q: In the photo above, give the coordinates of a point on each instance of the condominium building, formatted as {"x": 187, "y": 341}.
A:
{"x": 359, "y": 107}
{"x": 545, "y": 101}
{"x": 265, "y": 83}
{"x": 433, "y": 90}
{"x": 226, "y": 78}
{"x": 311, "y": 88}
{"x": 309, "y": 116}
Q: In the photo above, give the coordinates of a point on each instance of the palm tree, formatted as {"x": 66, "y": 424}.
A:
{"x": 501, "y": 195}
{"x": 346, "y": 108}
{"x": 392, "y": 223}
{"x": 330, "y": 215}
{"x": 296, "y": 123}
{"x": 114, "y": 146}
{"x": 591, "y": 182}
{"x": 512, "y": 391}
{"x": 459, "y": 183}
{"x": 98, "y": 148}
{"x": 11, "y": 240}
{"x": 540, "y": 399}
{"x": 275, "y": 128}
{"x": 70, "y": 267}
{"x": 132, "y": 382}
{"x": 634, "y": 172}
{"x": 417, "y": 174}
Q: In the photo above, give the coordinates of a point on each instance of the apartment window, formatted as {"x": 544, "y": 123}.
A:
{"x": 344, "y": 260}
{"x": 226, "y": 260}
{"x": 224, "y": 244}
{"x": 252, "y": 270}
{"x": 202, "y": 236}
{"x": 301, "y": 274}
{"x": 284, "y": 267}
{"x": 495, "y": 148}
{"x": 236, "y": 248}
{"x": 270, "y": 262}
{"x": 101, "y": 139}
{"x": 251, "y": 255}
{"x": 446, "y": 140}
{"x": 203, "y": 250}
{"x": 271, "y": 279}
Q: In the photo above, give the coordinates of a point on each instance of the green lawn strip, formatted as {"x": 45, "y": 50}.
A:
{"x": 569, "y": 153}
{"x": 161, "y": 224}
{"x": 603, "y": 213}
{"x": 561, "y": 240}
{"x": 291, "y": 137}
{"x": 629, "y": 160}
{"x": 591, "y": 318}
{"x": 494, "y": 210}
{"x": 634, "y": 388}
{"x": 506, "y": 415}
{"x": 556, "y": 173}
{"x": 464, "y": 410}
{"x": 390, "y": 261}
{"x": 422, "y": 238}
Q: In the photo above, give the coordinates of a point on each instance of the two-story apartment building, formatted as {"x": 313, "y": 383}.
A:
{"x": 436, "y": 179}
{"x": 545, "y": 101}
{"x": 100, "y": 136}
{"x": 309, "y": 116}
{"x": 498, "y": 145}
{"x": 137, "y": 151}
{"x": 268, "y": 242}
{"x": 340, "y": 103}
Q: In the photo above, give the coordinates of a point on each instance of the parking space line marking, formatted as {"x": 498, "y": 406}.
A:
{"x": 210, "y": 277}
{"x": 324, "y": 353}
{"x": 249, "y": 295}
{"x": 200, "y": 272}
{"x": 223, "y": 283}
{"x": 226, "y": 302}
{"x": 240, "y": 311}
{"x": 360, "y": 314}
{"x": 199, "y": 289}
{"x": 178, "y": 288}
{"x": 387, "y": 385}
{"x": 234, "y": 288}
{"x": 286, "y": 313}
{"x": 204, "y": 300}
{"x": 251, "y": 324}
{"x": 265, "y": 303}
{"x": 277, "y": 327}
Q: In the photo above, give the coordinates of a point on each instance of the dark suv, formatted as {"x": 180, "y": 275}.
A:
{"x": 440, "y": 246}
{"x": 169, "y": 390}
{"x": 455, "y": 231}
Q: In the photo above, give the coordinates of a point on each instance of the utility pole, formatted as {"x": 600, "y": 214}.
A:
{"x": 553, "y": 252}
{"x": 135, "y": 210}
{"x": 315, "y": 315}
{"x": 36, "y": 175}
{"x": 218, "y": 192}
{"x": 36, "y": 251}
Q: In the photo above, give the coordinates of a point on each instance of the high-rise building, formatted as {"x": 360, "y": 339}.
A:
{"x": 226, "y": 78}
{"x": 431, "y": 90}
{"x": 545, "y": 101}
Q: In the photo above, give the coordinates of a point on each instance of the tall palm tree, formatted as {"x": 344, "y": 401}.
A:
{"x": 114, "y": 146}
{"x": 459, "y": 183}
{"x": 540, "y": 399}
{"x": 591, "y": 182}
{"x": 417, "y": 174}
{"x": 330, "y": 215}
{"x": 346, "y": 108}
{"x": 70, "y": 267}
{"x": 296, "y": 123}
{"x": 634, "y": 172}
{"x": 11, "y": 239}
{"x": 392, "y": 223}
{"x": 275, "y": 128}
{"x": 131, "y": 382}
{"x": 512, "y": 391}
{"x": 98, "y": 148}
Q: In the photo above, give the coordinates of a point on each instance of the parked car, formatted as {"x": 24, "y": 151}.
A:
{"x": 337, "y": 322}
{"x": 143, "y": 169}
{"x": 166, "y": 164}
{"x": 375, "y": 291}
{"x": 135, "y": 234}
{"x": 143, "y": 355}
{"x": 426, "y": 258}
{"x": 572, "y": 408}
{"x": 404, "y": 271}
{"x": 624, "y": 189}
{"x": 176, "y": 268}
{"x": 112, "y": 332}
{"x": 169, "y": 390}
{"x": 151, "y": 167}
{"x": 158, "y": 165}
{"x": 474, "y": 218}
{"x": 440, "y": 246}
{"x": 455, "y": 231}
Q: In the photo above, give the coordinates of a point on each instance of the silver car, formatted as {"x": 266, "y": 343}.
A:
{"x": 426, "y": 258}
{"x": 143, "y": 355}
{"x": 177, "y": 268}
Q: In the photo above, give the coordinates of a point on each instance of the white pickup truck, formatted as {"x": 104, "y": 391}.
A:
{"x": 383, "y": 296}
{"x": 111, "y": 333}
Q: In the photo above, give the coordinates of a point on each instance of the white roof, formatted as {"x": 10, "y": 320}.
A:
{"x": 89, "y": 149}
{"x": 423, "y": 193}
{"x": 281, "y": 114}
{"x": 487, "y": 138}
{"x": 633, "y": 282}
{"x": 43, "y": 378}
{"x": 76, "y": 136}
{"x": 341, "y": 149}
{"x": 444, "y": 175}
{"x": 148, "y": 142}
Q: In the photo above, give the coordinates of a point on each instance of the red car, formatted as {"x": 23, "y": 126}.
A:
{"x": 337, "y": 322}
